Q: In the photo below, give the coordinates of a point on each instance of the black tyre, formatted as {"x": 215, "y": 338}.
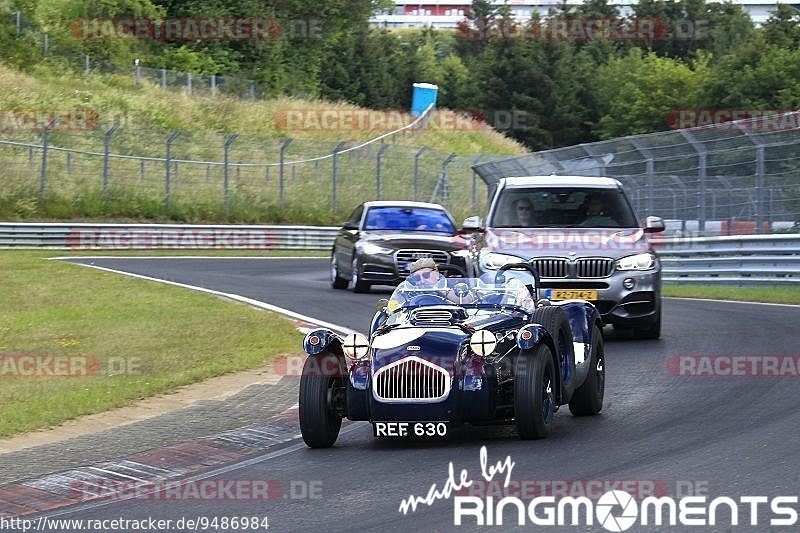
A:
{"x": 555, "y": 322}
{"x": 651, "y": 331}
{"x": 535, "y": 393}
{"x": 320, "y": 386}
{"x": 337, "y": 282}
{"x": 355, "y": 279}
{"x": 588, "y": 399}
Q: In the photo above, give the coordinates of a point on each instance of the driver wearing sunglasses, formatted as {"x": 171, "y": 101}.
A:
{"x": 424, "y": 277}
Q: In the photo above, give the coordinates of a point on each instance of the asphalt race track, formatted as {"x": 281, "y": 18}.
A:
{"x": 730, "y": 436}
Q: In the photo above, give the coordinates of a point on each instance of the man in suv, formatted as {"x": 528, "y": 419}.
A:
{"x": 585, "y": 241}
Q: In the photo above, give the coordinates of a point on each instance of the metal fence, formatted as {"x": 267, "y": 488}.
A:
{"x": 743, "y": 176}
{"x": 739, "y": 260}
{"x": 202, "y": 172}
{"x": 27, "y": 31}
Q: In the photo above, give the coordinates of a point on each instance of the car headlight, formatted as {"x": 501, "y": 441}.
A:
{"x": 483, "y": 342}
{"x": 374, "y": 249}
{"x": 645, "y": 261}
{"x": 355, "y": 346}
{"x": 493, "y": 261}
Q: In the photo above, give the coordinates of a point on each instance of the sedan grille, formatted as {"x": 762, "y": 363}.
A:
{"x": 551, "y": 267}
{"x": 595, "y": 268}
{"x": 404, "y": 257}
{"x": 411, "y": 380}
{"x": 431, "y": 317}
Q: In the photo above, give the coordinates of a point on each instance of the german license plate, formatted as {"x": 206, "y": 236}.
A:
{"x": 409, "y": 429}
{"x": 570, "y": 294}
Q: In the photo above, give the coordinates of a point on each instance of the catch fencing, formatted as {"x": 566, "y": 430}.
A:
{"x": 739, "y": 260}
{"x": 734, "y": 177}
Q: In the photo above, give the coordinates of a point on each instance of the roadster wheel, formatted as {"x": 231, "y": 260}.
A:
{"x": 534, "y": 393}
{"x": 588, "y": 399}
{"x": 336, "y": 281}
{"x": 320, "y": 393}
{"x": 355, "y": 280}
{"x": 555, "y": 322}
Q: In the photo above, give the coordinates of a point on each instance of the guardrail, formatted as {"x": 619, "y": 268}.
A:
{"x": 733, "y": 259}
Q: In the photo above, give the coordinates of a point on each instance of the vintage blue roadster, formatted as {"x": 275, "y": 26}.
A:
{"x": 458, "y": 350}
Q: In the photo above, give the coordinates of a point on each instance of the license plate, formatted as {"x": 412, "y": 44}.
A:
{"x": 570, "y": 294}
{"x": 409, "y": 429}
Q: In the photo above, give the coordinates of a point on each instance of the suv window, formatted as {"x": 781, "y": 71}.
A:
{"x": 562, "y": 207}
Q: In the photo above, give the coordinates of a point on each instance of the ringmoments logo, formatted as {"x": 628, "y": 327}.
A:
{"x": 615, "y": 510}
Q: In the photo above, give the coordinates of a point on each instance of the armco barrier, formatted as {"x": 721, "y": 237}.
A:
{"x": 752, "y": 259}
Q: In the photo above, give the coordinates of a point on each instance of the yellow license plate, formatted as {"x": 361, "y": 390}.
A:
{"x": 572, "y": 294}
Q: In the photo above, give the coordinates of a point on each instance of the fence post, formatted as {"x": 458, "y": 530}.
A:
{"x": 266, "y": 176}
{"x": 251, "y": 90}
{"x": 335, "y": 172}
{"x": 168, "y": 167}
{"x": 45, "y": 142}
{"x": 19, "y": 25}
{"x": 46, "y": 44}
{"x": 281, "y": 193}
{"x": 441, "y": 183}
{"x": 141, "y": 170}
{"x": 228, "y": 143}
{"x": 189, "y": 83}
{"x": 208, "y": 173}
{"x": 475, "y": 182}
{"x": 138, "y": 72}
{"x": 69, "y": 162}
{"x": 106, "y": 157}
{"x": 760, "y": 208}
{"x": 383, "y": 149}
{"x": 213, "y": 85}
{"x": 163, "y": 79}
{"x": 416, "y": 172}
{"x": 87, "y": 63}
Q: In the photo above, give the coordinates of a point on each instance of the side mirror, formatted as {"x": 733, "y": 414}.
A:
{"x": 654, "y": 225}
{"x": 383, "y": 302}
{"x": 472, "y": 225}
{"x": 350, "y": 225}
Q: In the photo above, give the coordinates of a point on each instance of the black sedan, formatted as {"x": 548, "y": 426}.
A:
{"x": 380, "y": 239}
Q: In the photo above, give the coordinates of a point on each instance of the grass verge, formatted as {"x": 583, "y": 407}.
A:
{"x": 781, "y": 295}
{"x": 168, "y": 336}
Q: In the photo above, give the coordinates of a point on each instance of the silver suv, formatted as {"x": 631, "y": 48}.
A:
{"x": 582, "y": 235}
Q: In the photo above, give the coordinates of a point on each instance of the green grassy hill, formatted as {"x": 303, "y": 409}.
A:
{"x": 136, "y": 189}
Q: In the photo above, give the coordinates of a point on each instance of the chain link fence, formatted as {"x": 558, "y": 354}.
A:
{"x": 195, "y": 175}
{"x": 731, "y": 178}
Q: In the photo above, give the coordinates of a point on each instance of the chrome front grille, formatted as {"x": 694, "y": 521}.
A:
{"x": 551, "y": 267}
{"x": 594, "y": 267}
{"x": 411, "y": 380}
{"x": 431, "y": 317}
{"x": 404, "y": 257}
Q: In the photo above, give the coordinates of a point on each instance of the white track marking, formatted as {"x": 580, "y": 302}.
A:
{"x": 249, "y": 301}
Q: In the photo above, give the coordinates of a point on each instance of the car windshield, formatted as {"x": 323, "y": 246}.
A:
{"x": 409, "y": 219}
{"x": 562, "y": 207}
{"x": 490, "y": 290}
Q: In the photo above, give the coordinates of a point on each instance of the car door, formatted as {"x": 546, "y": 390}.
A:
{"x": 346, "y": 240}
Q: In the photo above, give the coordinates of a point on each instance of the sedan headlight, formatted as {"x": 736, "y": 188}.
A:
{"x": 493, "y": 261}
{"x": 374, "y": 249}
{"x": 645, "y": 261}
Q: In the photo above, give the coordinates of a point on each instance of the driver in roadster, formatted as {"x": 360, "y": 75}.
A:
{"x": 424, "y": 278}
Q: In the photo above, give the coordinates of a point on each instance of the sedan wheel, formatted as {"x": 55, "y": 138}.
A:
{"x": 336, "y": 281}
{"x": 355, "y": 280}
